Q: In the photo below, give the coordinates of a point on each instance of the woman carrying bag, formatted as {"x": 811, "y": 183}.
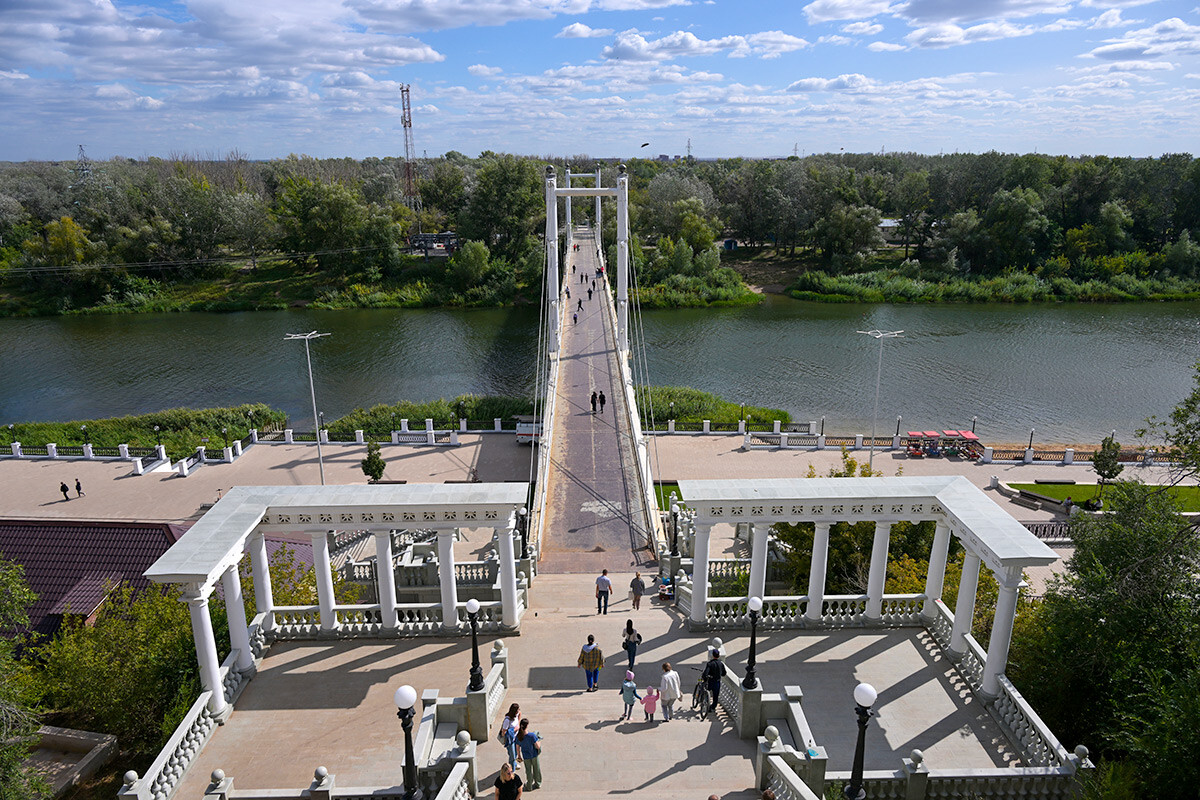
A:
{"x": 630, "y": 639}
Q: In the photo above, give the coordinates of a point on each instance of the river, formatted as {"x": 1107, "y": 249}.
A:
{"x": 1073, "y": 372}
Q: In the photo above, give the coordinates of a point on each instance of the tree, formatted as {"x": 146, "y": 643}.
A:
{"x": 1106, "y": 462}
{"x": 506, "y": 205}
{"x": 848, "y": 231}
{"x": 18, "y": 721}
{"x": 373, "y": 465}
{"x": 325, "y": 219}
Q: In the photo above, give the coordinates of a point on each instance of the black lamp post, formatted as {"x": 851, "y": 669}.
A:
{"x": 86, "y": 438}
{"x": 674, "y": 529}
{"x": 393, "y": 421}
{"x": 751, "y": 680}
{"x": 225, "y": 434}
{"x": 476, "y": 684}
{"x": 973, "y": 423}
{"x": 405, "y": 699}
{"x": 12, "y": 433}
{"x": 822, "y": 424}
{"x": 158, "y": 435}
{"x": 743, "y": 412}
{"x": 1031, "y": 438}
{"x": 897, "y": 425}
{"x": 672, "y": 409}
{"x": 250, "y": 420}
{"x": 320, "y": 424}
{"x": 864, "y": 697}
{"x": 523, "y": 521}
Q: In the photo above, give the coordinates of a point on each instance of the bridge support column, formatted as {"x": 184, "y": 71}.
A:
{"x": 936, "y": 576}
{"x": 599, "y": 228}
{"x": 385, "y": 579}
{"x": 567, "y": 220}
{"x": 552, "y": 289}
{"x": 964, "y": 609}
{"x": 816, "y": 573}
{"x": 879, "y": 554}
{"x": 623, "y": 261}
{"x": 445, "y": 541}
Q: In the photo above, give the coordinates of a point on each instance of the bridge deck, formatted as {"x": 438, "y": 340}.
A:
{"x": 595, "y": 517}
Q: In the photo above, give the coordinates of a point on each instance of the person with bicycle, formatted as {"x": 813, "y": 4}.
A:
{"x": 714, "y": 671}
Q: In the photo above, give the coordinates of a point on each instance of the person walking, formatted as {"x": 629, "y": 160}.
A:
{"x": 603, "y": 590}
{"x": 66, "y": 490}
{"x": 593, "y": 400}
{"x": 568, "y": 292}
{"x": 575, "y": 319}
{"x": 601, "y": 401}
{"x": 630, "y": 639}
{"x": 589, "y": 295}
{"x": 714, "y": 671}
{"x": 629, "y": 694}
{"x": 580, "y": 306}
{"x": 79, "y": 488}
{"x": 638, "y": 587}
{"x": 650, "y": 703}
{"x": 508, "y": 785}
{"x": 530, "y": 744}
{"x": 669, "y": 690}
{"x": 591, "y": 659}
{"x": 508, "y": 733}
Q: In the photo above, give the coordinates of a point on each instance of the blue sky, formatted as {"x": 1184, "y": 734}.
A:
{"x": 564, "y": 77}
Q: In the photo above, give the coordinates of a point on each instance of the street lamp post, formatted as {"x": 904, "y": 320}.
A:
{"x": 880, "y": 335}
{"x": 12, "y": 433}
{"x": 751, "y": 680}
{"x": 158, "y": 435}
{"x": 897, "y": 424}
{"x": 312, "y": 389}
{"x": 523, "y": 521}
{"x": 225, "y": 434}
{"x": 674, "y": 529}
{"x": 86, "y": 438}
{"x": 864, "y": 697}
{"x": 476, "y": 684}
{"x": 1031, "y": 430}
{"x": 973, "y": 419}
{"x": 672, "y": 409}
{"x": 405, "y": 699}
{"x": 822, "y": 424}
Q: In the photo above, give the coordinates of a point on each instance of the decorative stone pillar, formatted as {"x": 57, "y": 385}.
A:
{"x": 935, "y": 578}
{"x": 964, "y": 609}
{"x": 235, "y": 612}
{"x": 758, "y": 559}
{"x": 264, "y": 600}
{"x": 320, "y": 547}
{"x": 1002, "y": 626}
{"x": 206, "y": 653}
{"x": 446, "y": 577}
{"x": 508, "y": 574}
{"x": 875, "y": 580}
{"x": 700, "y": 574}
{"x": 385, "y": 579}
{"x": 816, "y": 573}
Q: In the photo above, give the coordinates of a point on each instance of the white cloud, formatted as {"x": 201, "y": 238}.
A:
{"x": 939, "y": 11}
{"x": 631, "y": 45}
{"x": 862, "y": 28}
{"x": 950, "y": 35}
{"x": 1115, "y": 3}
{"x": 885, "y": 47}
{"x": 842, "y": 83}
{"x": 1109, "y": 19}
{"x": 484, "y": 71}
{"x": 833, "y": 10}
{"x": 1170, "y": 37}
{"x": 577, "y": 30}
{"x": 770, "y": 44}
{"x": 12, "y": 75}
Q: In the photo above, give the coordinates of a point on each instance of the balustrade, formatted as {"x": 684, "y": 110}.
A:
{"x": 902, "y": 609}
{"x": 785, "y": 783}
{"x": 358, "y": 618}
{"x": 1039, "y": 747}
{"x": 475, "y": 573}
{"x": 291, "y": 621}
{"x": 972, "y": 663}
{"x": 783, "y": 612}
{"x": 843, "y": 609}
{"x": 419, "y": 617}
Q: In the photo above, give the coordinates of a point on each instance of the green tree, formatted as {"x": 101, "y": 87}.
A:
{"x": 445, "y": 190}
{"x": 321, "y": 220}
{"x": 506, "y": 205}
{"x": 373, "y": 465}
{"x": 469, "y": 265}
{"x": 18, "y": 720}
{"x": 848, "y": 231}
{"x": 1106, "y": 463}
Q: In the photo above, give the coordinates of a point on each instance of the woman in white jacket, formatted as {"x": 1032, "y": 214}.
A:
{"x": 669, "y": 689}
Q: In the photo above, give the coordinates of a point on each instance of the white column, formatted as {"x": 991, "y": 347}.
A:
{"x": 816, "y": 572}
{"x": 552, "y": 289}
{"x": 508, "y": 573}
{"x": 758, "y": 559}
{"x": 385, "y": 578}
{"x": 264, "y": 600}
{"x": 320, "y": 546}
{"x": 879, "y": 554}
{"x": 567, "y": 218}
{"x": 235, "y": 612}
{"x": 599, "y": 227}
{"x": 936, "y": 577}
{"x": 1002, "y": 627}
{"x": 623, "y": 261}
{"x": 964, "y": 609}
{"x": 700, "y": 573}
{"x": 445, "y": 541}
{"x": 206, "y": 652}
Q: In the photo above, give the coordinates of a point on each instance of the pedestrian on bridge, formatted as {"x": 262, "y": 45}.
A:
{"x": 603, "y": 590}
{"x": 575, "y": 319}
{"x": 591, "y": 659}
{"x": 589, "y": 294}
{"x": 593, "y": 399}
{"x": 580, "y": 306}
{"x": 66, "y": 490}
{"x": 568, "y": 292}
{"x": 638, "y": 587}
{"x": 601, "y": 401}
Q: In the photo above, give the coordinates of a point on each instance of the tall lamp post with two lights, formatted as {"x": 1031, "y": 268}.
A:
{"x": 312, "y": 389}
{"x": 880, "y": 335}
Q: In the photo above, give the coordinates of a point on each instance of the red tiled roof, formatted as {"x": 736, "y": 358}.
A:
{"x": 69, "y": 564}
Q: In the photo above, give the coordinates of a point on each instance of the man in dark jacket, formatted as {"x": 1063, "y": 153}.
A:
{"x": 714, "y": 671}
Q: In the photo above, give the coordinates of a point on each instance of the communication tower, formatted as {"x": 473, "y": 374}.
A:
{"x": 411, "y": 198}
{"x": 83, "y": 168}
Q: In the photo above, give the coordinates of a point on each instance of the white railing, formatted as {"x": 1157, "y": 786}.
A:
{"x": 730, "y": 696}
{"x": 879, "y": 784}
{"x": 1038, "y": 745}
{"x": 456, "y": 786}
{"x": 972, "y": 663}
{"x": 727, "y": 612}
{"x": 164, "y": 775}
{"x": 902, "y": 609}
{"x": 1053, "y": 783}
{"x": 494, "y": 685}
{"x": 942, "y": 624}
{"x": 843, "y": 609}
{"x": 783, "y": 611}
{"x": 490, "y": 617}
{"x": 683, "y": 599}
{"x": 785, "y": 783}
{"x": 476, "y": 572}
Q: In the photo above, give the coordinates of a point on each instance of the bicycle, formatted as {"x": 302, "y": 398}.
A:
{"x": 701, "y": 697}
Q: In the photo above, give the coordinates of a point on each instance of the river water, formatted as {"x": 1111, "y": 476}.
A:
{"x": 1073, "y": 372}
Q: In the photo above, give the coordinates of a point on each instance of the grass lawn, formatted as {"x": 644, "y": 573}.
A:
{"x": 1187, "y": 497}
{"x": 664, "y": 494}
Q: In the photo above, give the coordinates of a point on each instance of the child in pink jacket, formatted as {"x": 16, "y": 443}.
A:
{"x": 650, "y": 702}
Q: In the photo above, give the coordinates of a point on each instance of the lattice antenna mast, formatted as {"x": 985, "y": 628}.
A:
{"x": 410, "y": 178}
{"x": 83, "y": 168}
{"x": 689, "y": 150}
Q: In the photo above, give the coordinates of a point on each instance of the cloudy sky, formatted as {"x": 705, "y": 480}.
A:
{"x": 741, "y": 77}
